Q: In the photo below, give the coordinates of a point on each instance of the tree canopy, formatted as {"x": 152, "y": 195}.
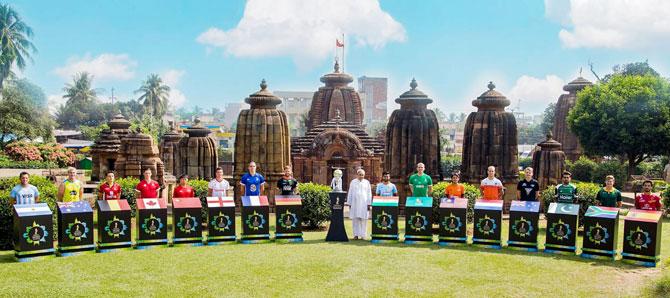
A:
{"x": 15, "y": 44}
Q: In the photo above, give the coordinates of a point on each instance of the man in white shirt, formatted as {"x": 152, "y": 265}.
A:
{"x": 218, "y": 187}
{"x": 359, "y": 199}
{"x": 24, "y": 193}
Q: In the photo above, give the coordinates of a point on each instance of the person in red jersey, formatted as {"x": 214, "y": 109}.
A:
{"x": 183, "y": 190}
{"x": 109, "y": 190}
{"x": 147, "y": 188}
{"x": 647, "y": 200}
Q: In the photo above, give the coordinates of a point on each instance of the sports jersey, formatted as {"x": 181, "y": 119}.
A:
{"x": 566, "y": 193}
{"x": 608, "y": 198}
{"x": 219, "y": 188}
{"x": 386, "y": 190}
{"x": 71, "y": 190}
{"x": 252, "y": 184}
{"x": 491, "y": 188}
{"x": 148, "y": 190}
{"x": 648, "y": 202}
{"x": 528, "y": 189}
{"x": 287, "y": 186}
{"x": 454, "y": 190}
{"x": 110, "y": 192}
{"x": 420, "y": 184}
{"x": 183, "y": 192}
{"x": 24, "y": 195}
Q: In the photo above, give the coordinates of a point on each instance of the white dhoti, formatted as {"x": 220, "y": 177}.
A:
{"x": 358, "y": 199}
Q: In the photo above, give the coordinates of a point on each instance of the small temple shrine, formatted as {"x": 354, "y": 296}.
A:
{"x": 197, "y": 155}
{"x": 412, "y": 136}
{"x": 570, "y": 144}
{"x": 169, "y": 149}
{"x": 106, "y": 148}
{"x": 137, "y": 153}
{"x": 490, "y": 139}
{"x": 336, "y": 137}
{"x": 262, "y": 136}
{"x": 548, "y": 162}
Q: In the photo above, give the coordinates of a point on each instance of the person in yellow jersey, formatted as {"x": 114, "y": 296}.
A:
{"x": 71, "y": 190}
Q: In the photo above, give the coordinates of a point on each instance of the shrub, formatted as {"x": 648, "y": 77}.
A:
{"x": 58, "y": 154}
{"x": 450, "y": 164}
{"x": 586, "y": 193}
{"x": 47, "y": 191}
{"x": 665, "y": 200}
{"x": 315, "y": 204}
{"x": 613, "y": 168}
{"x": 525, "y": 162}
{"x": 6, "y": 163}
{"x": 472, "y": 193}
{"x": 128, "y": 191}
{"x": 200, "y": 188}
{"x": 23, "y": 151}
{"x": 582, "y": 169}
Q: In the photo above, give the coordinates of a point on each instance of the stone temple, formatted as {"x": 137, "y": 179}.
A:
{"x": 137, "y": 153}
{"x": 404, "y": 147}
{"x": 106, "y": 148}
{"x": 335, "y": 136}
{"x": 490, "y": 139}
{"x": 548, "y": 162}
{"x": 197, "y": 155}
{"x": 262, "y": 136}
{"x": 169, "y": 149}
{"x": 570, "y": 143}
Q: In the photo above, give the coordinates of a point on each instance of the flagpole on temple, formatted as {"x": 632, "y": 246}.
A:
{"x": 343, "y": 44}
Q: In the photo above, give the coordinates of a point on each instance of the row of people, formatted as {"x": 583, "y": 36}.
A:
{"x": 420, "y": 186}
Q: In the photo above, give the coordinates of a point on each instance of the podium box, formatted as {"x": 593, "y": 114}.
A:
{"x": 562, "y": 219}
{"x": 221, "y": 220}
{"x": 523, "y": 225}
{"x": 336, "y": 231}
{"x": 75, "y": 225}
{"x": 642, "y": 237}
{"x": 113, "y": 225}
{"x": 487, "y": 221}
{"x": 418, "y": 220}
{"x": 600, "y": 233}
{"x": 384, "y": 219}
{"x": 151, "y": 222}
{"x": 453, "y": 221}
{"x": 255, "y": 219}
{"x": 187, "y": 221}
{"x": 288, "y": 226}
{"x": 33, "y": 231}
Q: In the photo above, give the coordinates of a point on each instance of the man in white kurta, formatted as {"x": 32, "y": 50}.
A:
{"x": 359, "y": 199}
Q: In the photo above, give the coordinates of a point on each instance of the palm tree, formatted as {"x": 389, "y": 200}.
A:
{"x": 15, "y": 44}
{"x": 154, "y": 95}
{"x": 80, "y": 90}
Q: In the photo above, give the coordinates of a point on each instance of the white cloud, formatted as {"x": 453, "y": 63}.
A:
{"x": 54, "y": 102}
{"x": 172, "y": 77}
{"x": 103, "y": 67}
{"x": 535, "y": 93}
{"x": 304, "y": 29}
{"x": 623, "y": 24}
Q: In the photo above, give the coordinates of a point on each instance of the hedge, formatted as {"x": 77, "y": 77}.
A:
{"x": 47, "y": 191}
{"x": 472, "y": 193}
{"x": 315, "y": 204}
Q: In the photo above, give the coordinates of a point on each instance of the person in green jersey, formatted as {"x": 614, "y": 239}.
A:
{"x": 71, "y": 190}
{"x": 609, "y": 196}
{"x": 566, "y": 192}
{"x": 420, "y": 183}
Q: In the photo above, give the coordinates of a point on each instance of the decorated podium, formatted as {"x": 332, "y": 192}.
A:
{"x": 221, "y": 224}
{"x": 562, "y": 219}
{"x": 113, "y": 225}
{"x": 600, "y": 233}
{"x": 384, "y": 219}
{"x": 33, "y": 231}
{"x": 642, "y": 237}
{"x": 255, "y": 219}
{"x": 288, "y": 227}
{"x": 336, "y": 231}
{"x": 418, "y": 220}
{"x": 523, "y": 225}
{"x": 487, "y": 220}
{"x": 151, "y": 222}
{"x": 187, "y": 221}
{"x": 75, "y": 225}
{"x": 453, "y": 219}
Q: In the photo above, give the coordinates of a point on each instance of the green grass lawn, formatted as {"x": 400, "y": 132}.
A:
{"x": 356, "y": 268}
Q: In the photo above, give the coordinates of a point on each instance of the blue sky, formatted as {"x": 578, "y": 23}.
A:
{"x": 216, "y": 52}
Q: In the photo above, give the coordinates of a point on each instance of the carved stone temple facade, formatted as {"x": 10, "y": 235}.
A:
{"x": 570, "y": 143}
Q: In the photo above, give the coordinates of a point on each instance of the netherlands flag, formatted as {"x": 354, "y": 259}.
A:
{"x": 489, "y": 204}
{"x": 214, "y": 202}
{"x": 249, "y": 201}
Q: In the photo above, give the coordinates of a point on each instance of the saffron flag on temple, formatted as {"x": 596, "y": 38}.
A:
{"x": 220, "y": 202}
{"x": 248, "y": 201}
{"x": 338, "y": 43}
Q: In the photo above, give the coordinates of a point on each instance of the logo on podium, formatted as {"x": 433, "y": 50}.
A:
{"x": 522, "y": 227}
{"x": 255, "y": 221}
{"x": 598, "y": 234}
{"x": 76, "y": 230}
{"x": 35, "y": 234}
{"x": 452, "y": 223}
{"x": 560, "y": 230}
{"x": 116, "y": 227}
{"x": 638, "y": 238}
{"x": 288, "y": 220}
{"x": 187, "y": 223}
{"x": 486, "y": 225}
{"x": 152, "y": 225}
{"x": 220, "y": 222}
{"x": 418, "y": 222}
{"x": 384, "y": 221}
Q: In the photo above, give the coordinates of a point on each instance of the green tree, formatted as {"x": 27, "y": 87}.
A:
{"x": 32, "y": 91}
{"x": 626, "y": 115}
{"x": 15, "y": 44}
{"x": 20, "y": 119}
{"x": 154, "y": 95}
{"x": 632, "y": 69}
{"x": 81, "y": 90}
{"x": 548, "y": 118}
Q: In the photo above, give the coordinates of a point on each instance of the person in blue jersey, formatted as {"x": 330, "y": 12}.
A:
{"x": 24, "y": 193}
{"x": 386, "y": 188}
{"x": 254, "y": 183}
